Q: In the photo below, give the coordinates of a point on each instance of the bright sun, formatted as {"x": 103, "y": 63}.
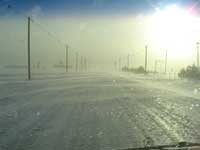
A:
{"x": 174, "y": 29}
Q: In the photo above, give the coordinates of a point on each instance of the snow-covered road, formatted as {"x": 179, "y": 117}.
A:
{"x": 95, "y": 111}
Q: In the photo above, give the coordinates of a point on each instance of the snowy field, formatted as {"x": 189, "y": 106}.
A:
{"x": 99, "y": 110}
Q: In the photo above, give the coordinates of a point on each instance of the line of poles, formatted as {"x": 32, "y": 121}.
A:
{"x": 145, "y": 61}
{"x": 157, "y": 61}
{"x": 83, "y": 61}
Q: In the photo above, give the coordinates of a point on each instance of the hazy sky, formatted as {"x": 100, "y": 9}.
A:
{"x": 101, "y": 30}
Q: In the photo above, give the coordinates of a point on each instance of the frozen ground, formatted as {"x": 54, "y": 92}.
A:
{"x": 96, "y": 111}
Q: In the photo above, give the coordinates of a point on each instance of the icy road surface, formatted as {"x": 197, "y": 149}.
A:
{"x": 95, "y": 111}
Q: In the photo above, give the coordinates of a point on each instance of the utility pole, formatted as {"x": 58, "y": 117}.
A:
{"x": 131, "y": 60}
{"x": 81, "y": 63}
{"x": 165, "y": 61}
{"x": 85, "y": 64}
{"x": 198, "y": 54}
{"x": 119, "y": 63}
{"x": 76, "y": 61}
{"x": 29, "y": 49}
{"x": 115, "y": 65}
{"x": 155, "y": 67}
{"x": 146, "y": 47}
{"x": 128, "y": 60}
{"x": 67, "y": 59}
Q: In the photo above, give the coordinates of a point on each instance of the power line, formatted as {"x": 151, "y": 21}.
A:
{"x": 50, "y": 34}
{"x": 46, "y": 31}
{"x": 33, "y": 20}
{"x": 42, "y": 27}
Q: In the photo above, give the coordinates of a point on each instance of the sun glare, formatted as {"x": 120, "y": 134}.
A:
{"x": 174, "y": 29}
